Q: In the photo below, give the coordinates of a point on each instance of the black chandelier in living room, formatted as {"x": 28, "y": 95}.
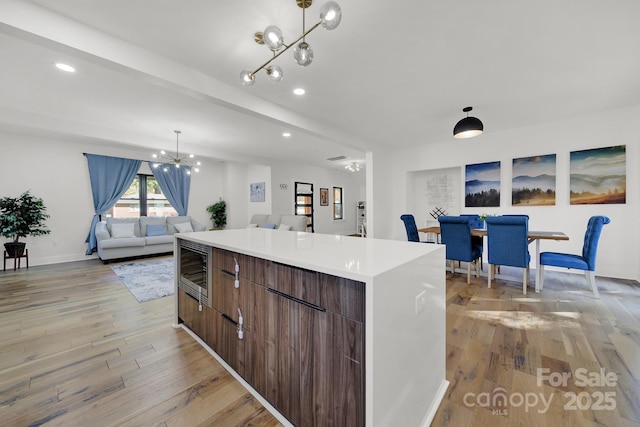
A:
{"x": 166, "y": 160}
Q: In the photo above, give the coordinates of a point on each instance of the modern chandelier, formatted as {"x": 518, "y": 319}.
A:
{"x": 353, "y": 167}
{"x": 167, "y": 160}
{"x": 330, "y": 16}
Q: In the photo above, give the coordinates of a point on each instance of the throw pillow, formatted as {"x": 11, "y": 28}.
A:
{"x": 284, "y": 227}
{"x": 119, "y": 231}
{"x": 252, "y": 225}
{"x": 156, "y": 230}
{"x": 271, "y": 226}
{"x": 183, "y": 227}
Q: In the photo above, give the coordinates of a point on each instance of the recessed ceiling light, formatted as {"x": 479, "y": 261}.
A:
{"x": 286, "y": 134}
{"x": 65, "y": 67}
{"x": 299, "y": 91}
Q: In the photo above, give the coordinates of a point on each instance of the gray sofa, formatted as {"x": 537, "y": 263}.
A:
{"x": 146, "y": 235}
{"x": 294, "y": 222}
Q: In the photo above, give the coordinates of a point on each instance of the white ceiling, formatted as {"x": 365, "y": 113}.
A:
{"x": 393, "y": 74}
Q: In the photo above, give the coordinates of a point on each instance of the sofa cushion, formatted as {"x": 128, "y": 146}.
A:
{"x": 173, "y": 220}
{"x": 122, "y": 231}
{"x": 252, "y": 225}
{"x": 297, "y": 222}
{"x": 122, "y": 243}
{"x": 135, "y": 221}
{"x": 259, "y": 219}
{"x": 284, "y": 227}
{"x": 151, "y": 220}
{"x": 156, "y": 230}
{"x": 183, "y": 227}
{"x": 159, "y": 240}
{"x": 271, "y": 226}
{"x": 273, "y": 219}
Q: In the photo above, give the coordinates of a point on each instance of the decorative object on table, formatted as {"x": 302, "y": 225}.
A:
{"x": 147, "y": 280}
{"x": 598, "y": 176}
{"x": 482, "y": 185}
{"x": 166, "y": 161}
{"x": 330, "y": 17}
{"x": 468, "y": 127}
{"x": 534, "y": 181}
{"x": 324, "y": 197}
{"x": 218, "y": 213}
{"x": 256, "y": 192}
{"x": 586, "y": 261}
{"x": 437, "y": 212}
{"x": 21, "y": 216}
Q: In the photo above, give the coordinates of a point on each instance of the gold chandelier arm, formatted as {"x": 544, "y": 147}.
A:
{"x": 286, "y": 47}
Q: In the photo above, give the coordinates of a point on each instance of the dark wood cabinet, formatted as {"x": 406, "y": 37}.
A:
{"x": 303, "y": 336}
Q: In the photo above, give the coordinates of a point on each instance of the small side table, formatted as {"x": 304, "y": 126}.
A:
{"x": 14, "y": 258}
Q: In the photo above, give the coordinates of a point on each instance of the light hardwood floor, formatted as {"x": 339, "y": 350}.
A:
{"x": 76, "y": 349}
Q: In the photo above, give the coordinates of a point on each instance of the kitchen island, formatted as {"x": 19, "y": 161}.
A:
{"x": 327, "y": 329}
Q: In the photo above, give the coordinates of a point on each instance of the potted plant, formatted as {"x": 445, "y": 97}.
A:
{"x": 218, "y": 213}
{"x": 21, "y": 217}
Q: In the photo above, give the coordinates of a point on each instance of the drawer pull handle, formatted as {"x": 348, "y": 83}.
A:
{"x": 298, "y": 300}
{"x": 229, "y": 319}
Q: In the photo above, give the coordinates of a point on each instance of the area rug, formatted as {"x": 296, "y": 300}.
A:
{"x": 147, "y": 280}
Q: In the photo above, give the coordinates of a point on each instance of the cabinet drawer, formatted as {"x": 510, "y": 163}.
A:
{"x": 227, "y": 299}
{"x": 296, "y": 282}
{"x": 250, "y": 268}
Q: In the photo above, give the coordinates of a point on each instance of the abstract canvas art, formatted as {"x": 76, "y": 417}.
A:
{"x": 598, "y": 176}
{"x": 256, "y": 191}
{"x": 533, "y": 181}
{"x": 482, "y": 185}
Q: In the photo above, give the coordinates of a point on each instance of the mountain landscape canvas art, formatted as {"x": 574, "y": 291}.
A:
{"x": 598, "y": 176}
{"x": 534, "y": 181}
{"x": 482, "y": 185}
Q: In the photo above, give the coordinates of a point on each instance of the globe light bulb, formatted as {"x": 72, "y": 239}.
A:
{"x": 274, "y": 73}
{"x": 303, "y": 54}
{"x": 330, "y": 15}
{"x": 273, "y": 38}
{"x": 247, "y": 78}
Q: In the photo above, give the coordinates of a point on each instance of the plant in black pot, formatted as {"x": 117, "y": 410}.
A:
{"x": 21, "y": 217}
{"x": 218, "y": 213}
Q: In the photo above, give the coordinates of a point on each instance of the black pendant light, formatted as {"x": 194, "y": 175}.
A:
{"x": 468, "y": 127}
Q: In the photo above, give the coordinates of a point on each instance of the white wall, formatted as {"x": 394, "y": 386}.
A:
{"x": 619, "y": 249}
{"x": 352, "y": 190}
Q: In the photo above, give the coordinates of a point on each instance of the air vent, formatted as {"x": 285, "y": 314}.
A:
{"x": 334, "y": 159}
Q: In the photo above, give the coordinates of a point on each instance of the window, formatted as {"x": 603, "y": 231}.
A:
{"x": 143, "y": 198}
{"x": 337, "y": 203}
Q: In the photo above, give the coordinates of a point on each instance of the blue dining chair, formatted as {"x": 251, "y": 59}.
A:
{"x": 586, "y": 261}
{"x": 508, "y": 244}
{"x": 455, "y": 234}
{"x": 477, "y": 223}
{"x": 411, "y": 228}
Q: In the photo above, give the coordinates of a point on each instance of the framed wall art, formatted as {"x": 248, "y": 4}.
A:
{"x": 256, "y": 192}
{"x": 533, "y": 181}
{"x": 482, "y": 185}
{"x": 324, "y": 197}
{"x": 598, "y": 176}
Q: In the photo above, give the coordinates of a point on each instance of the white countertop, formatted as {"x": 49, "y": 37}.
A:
{"x": 355, "y": 258}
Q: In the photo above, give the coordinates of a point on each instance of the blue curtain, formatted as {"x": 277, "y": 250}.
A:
{"x": 175, "y": 184}
{"x": 110, "y": 178}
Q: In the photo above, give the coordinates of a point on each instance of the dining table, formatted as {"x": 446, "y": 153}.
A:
{"x": 533, "y": 236}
